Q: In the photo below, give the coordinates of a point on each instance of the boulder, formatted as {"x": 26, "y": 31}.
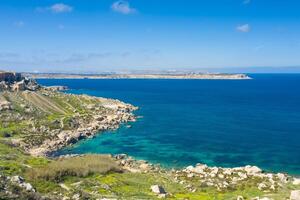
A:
{"x": 158, "y": 189}
{"x": 3, "y": 86}
{"x": 283, "y": 178}
{"x": 76, "y": 196}
{"x": 17, "y": 179}
{"x": 262, "y": 186}
{"x": 27, "y": 187}
{"x": 21, "y": 182}
{"x": 295, "y": 195}
{"x": 200, "y": 168}
{"x": 19, "y": 86}
{"x": 252, "y": 170}
{"x": 296, "y": 181}
{"x": 5, "y": 105}
{"x": 145, "y": 167}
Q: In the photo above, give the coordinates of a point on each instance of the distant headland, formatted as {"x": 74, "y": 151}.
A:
{"x": 214, "y": 76}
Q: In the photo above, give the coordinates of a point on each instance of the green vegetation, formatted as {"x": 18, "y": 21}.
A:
{"x": 36, "y": 117}
{"x": 97, "y": 176}
{"x": 75, "y": 166}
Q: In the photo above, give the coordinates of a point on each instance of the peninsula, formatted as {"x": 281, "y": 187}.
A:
{"x": 140, "y": 76}
{"x": 37, "y": 120}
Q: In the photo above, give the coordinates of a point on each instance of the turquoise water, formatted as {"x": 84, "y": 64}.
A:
{"x": 220, "y": 123}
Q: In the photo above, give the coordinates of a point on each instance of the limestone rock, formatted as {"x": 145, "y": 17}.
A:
{"x": 262, "y": 186}
{"x": 158, "y": 189}
{"x": 296, "y": 181}
{"x": 5, "y": 105}
{"x": 252, "y": 170}
{"x": 295, "y": 195}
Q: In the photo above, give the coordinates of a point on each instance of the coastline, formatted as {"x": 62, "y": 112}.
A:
{"x": 122, "y": 114}
{"x": 141, "y": 76}
{"x": 67, "y": 118}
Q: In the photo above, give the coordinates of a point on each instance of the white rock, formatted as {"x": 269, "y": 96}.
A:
{"x": 215, "y": 170}
{"x": 200, "y": 168}
{"x": 76, "y": 196}
{"x": 242, "y": 175}
{"x": 252, "y": 170}
{"x": 240, "y": 198}
{"x": 221, "y": 176}
{"x": 261, "y": 186}
{"x": 158, "y": 189}
{"x": 296, "y": 181}
{"x": 27, "y": 187}
{"x": 190, "y": 168}
{"x": 144, "y": 166}
{"x": 295, "y": 195}
{"x": 17, "y": 179}
{"x": 282, "y": 177}
{"x": 227, "y": 171}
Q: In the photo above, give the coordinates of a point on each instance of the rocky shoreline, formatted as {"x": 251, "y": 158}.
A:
{"x": 221, "y": 179}
{"x": 23, "y": 96}
{"x": 122, "y": 114}
{"x": 50, "y": 120}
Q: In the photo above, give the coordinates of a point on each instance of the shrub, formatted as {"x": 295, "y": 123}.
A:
{"x": 75, "y": 166}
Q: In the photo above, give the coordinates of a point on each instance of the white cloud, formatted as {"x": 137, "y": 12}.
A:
{"x": 56, "y": 8}
{"x": 244, "y": 28}
{"x": 247, "y": 1}
{"x": 19, "y": 24}
{"x": 122, "y": 7}
{"x": 60, "y": 8}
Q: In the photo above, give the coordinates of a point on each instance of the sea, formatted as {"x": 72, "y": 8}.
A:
{"x": 224, "y": 123}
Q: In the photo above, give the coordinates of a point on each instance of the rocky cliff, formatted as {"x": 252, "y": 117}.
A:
{"x": 10, "y": 81}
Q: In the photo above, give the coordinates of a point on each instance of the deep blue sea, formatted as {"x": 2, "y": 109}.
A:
{"x": 224, "y": 123}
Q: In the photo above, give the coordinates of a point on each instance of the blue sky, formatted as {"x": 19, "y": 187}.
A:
{"x": 105, "y": 35}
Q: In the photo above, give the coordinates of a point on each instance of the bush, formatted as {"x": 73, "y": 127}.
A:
{"x": 76, "y": 166}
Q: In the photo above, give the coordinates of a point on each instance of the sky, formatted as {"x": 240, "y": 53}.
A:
{"x": 107, "y": 35}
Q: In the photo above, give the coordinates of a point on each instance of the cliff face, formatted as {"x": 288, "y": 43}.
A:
{"x": 10, "y": 81}
{"x": 10, "y": 77}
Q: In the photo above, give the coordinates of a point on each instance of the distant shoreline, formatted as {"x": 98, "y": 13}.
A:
{"x": 139, "y": 76}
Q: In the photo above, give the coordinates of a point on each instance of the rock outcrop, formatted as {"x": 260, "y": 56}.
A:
{"x": 159, "y": 190}
{"x": 295, "y": 195}
{"x": 10, "y": 81}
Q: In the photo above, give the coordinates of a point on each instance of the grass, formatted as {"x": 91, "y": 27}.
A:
{"x": 95, "y": 171}
{"x": 76, "y": 166}
{"x": 97, "y": 175}
{"x": 10, "y": 129}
